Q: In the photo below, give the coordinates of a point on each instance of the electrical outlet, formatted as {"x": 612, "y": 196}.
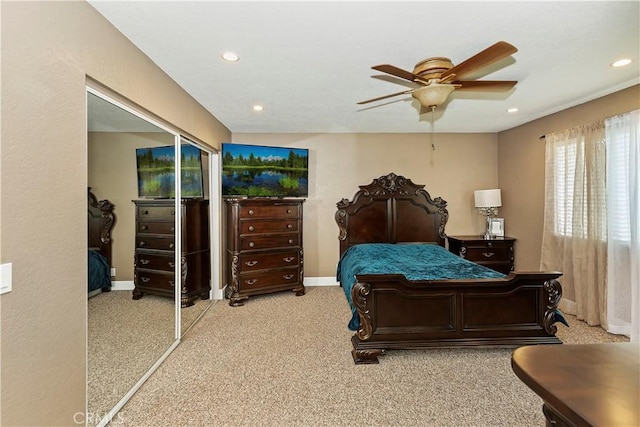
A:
{"x": 113, "y": 272}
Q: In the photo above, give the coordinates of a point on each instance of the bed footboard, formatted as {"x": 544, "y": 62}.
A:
{"x": 397, "y": 314}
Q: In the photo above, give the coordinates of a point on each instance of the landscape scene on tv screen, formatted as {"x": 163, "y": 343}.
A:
{"x": 262, "y": 171}
{"x": 157, "y": 175}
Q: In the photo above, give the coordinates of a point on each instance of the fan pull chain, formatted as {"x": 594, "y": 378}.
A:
{"x": 433, "y": 145}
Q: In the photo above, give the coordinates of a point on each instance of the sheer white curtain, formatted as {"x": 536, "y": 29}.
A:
{"x": 574, "y": 234}
{"x": 623, "y": 192}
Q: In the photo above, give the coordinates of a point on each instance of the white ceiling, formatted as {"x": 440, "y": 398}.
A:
{"x": 309, "y": 63}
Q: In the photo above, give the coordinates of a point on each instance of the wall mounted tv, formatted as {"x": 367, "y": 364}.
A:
{"x": 157, "y": 175}
{"x": 264, "y": 171}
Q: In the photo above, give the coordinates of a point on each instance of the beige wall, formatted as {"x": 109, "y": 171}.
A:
{"x": 521, "y": 168}
{"x": 48, "y": 50}
{"x": 339, "y": 163}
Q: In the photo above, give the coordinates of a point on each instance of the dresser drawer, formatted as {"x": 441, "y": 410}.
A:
{"x": 269, "y": 241}
{"x": 258, "y": 261}
{"x": 154, "y": 279}
{"x": 156, "y": 227}
{"x": 165, "y": 243}
{"x": 493, "y": 253}
{"x": 155, "y": 212}
{"x": 258, "y": 227}
{"x": 269, "y": 279}
{"x": 270, "y": 211}
{"x": 155, "y": 261}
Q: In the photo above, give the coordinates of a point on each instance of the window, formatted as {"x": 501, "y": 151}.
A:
{"x": 575, "y": 173}
{"x": 618, "y": 175}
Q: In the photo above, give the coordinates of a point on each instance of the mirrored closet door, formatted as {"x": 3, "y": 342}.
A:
{"x": 128, "y": 332}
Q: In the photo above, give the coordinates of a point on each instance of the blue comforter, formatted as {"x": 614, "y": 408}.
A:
{"x": 99, "y": 271}
{"x": 414, "y": 261}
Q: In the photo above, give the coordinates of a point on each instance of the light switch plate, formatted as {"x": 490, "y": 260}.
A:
{"x": 5, "y": 278}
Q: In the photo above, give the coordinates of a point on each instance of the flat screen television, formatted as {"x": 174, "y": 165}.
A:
{"x": 157, "y": 175}
{"x": 264, "y": 171}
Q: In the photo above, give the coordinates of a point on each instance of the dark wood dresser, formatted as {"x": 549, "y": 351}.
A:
{"x": 496, "y": 254}
{"x": 264, "y": 251}
{"x": 154, "y": 268}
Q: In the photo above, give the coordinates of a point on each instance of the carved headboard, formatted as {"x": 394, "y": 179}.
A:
{"x": 391, "y": 209}
{"x": 100, "y": 223}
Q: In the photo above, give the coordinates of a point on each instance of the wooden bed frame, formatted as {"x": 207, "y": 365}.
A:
{"x": 395, "y": 313}
{"x": 100, "y": 222}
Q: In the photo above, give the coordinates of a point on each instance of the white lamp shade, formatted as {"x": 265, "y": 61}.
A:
{"x": 488, "y": 198}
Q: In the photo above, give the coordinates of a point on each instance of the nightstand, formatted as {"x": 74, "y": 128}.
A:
{"x": 496, "y": 254}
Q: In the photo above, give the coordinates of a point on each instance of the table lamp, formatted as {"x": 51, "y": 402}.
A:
{"x": 487, "y": 203}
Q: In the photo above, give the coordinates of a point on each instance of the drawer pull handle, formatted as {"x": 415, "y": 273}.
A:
{"x": 251, "y": 263}
{"x": 144, "y": 261}
{"x": 291, "y": 241}
{"x": 251, "y": 244}
{"x": 289, "y": 226}
{"x": 145, "y": 212}
{"x": 143, "y": 243}
{"x": 144, "y": 227}
{"x": 171, "y": 283}
{"x": 172, "y": 264}
{"x": 488, "y": 254}
{"x": 288, "y": 210}
{"x": 251, "y": 212}
{"x": 251, "y": 228}
{"x": 173, "y": 229}
{"x": 171, "y": 245}
{"x": 288, "y": 259}
{"x": 250, "y": 281}
{"x": 145, "y": 279}
{"x": 173, "y": 212}
{"x": 288, "y": 276}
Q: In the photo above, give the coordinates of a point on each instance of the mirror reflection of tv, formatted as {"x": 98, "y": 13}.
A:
{"x": 264, "y": 171}
{"x": 157, "y": 175}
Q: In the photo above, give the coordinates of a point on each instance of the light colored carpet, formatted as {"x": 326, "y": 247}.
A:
{"x": 125, "y": 338}
{"x": 283, "y": 360}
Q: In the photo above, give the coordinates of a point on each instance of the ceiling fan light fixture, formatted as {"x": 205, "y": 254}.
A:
{"x": 433, "y": 95}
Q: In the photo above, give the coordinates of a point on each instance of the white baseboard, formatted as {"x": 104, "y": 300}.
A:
{"x": 122, "y": 285}
{"x": 321, "y": 281}
{"x": 127, "y": 285}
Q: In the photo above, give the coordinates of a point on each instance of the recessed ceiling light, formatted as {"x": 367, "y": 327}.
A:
{"x": 621, "y": 62}
{"x": 230, "y": 57}
{"x": 512, "y": 110}
{"x": 258, "y": 108}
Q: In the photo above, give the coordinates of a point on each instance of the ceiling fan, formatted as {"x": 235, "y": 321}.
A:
{"x": 438, "y": 77}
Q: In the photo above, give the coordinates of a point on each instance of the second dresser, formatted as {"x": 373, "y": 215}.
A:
{"x": 264, "y": 251}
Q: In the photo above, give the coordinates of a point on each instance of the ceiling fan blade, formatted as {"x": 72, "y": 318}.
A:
{"x": 488, "y": 56}
{"x": 398, "y": 72}
{"x": 485, "y": 85}
{"x": 386, "y": 96}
